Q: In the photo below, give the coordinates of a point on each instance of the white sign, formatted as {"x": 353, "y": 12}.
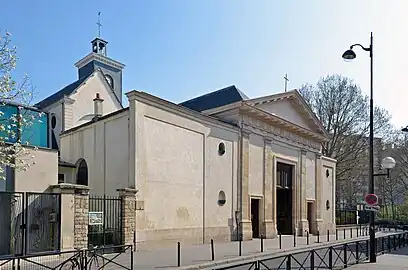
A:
{"x": 95, "y": 218}
{"x": 374, "y": 208}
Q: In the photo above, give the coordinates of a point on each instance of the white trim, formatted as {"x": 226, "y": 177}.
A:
{"x": 103, "y": 59}
{"x": 329, "y": 159}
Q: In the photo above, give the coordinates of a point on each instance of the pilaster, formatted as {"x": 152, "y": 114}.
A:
{"x": 128, "y": 196}
{"x": 319, "y": 179}
{"x": 269, "y": 192}
{"x": 303, "y": 222}
{"x": 246, "y": 225}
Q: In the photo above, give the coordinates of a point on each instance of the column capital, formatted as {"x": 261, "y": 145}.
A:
{"x": 127, "y": 192}
{"x": 245, "y": 133}
{"x": 66, "y": 188}
{"x": 267, "y": 141}
{"x": 303, "y": 151}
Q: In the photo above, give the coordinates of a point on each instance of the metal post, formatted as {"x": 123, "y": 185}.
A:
{"x": 262, "y": 243}
{"x": 212, "y": 250}
{"x": 337, "y": 235}
{"x": 328, "y": 235}
{"x": 178, "y": 254}
{"x": 344, "y": 233}
{"x": 280, "y": 240}
{"x": 294, "y": 239}
{"x": 373, "y": 257}
{"x": 351, "y": 232}
{"x": 307, "y": 238}
{"x": 318, "y": 237}
{"x": 240, "y": 246}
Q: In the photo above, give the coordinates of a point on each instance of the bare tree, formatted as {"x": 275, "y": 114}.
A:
{"x": 13, "y": 122}
{"x": 344, "y": 111}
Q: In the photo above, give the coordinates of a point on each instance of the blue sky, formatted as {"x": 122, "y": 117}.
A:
{"x": 179, "y": 49}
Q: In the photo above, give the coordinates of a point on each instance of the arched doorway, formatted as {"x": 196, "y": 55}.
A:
{"x": 82, "y": 173}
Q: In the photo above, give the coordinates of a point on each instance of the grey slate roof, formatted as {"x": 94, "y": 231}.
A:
{"x": 66, "y": 91}
{"x": 215, "y": 99}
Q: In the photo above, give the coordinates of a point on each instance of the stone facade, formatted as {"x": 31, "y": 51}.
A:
{"x": 128, "y": 209}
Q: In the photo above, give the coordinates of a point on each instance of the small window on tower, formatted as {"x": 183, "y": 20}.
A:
{"x": 109, "y": 80}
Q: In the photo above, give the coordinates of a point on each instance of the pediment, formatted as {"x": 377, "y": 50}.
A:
{"x": 291, "y": 107}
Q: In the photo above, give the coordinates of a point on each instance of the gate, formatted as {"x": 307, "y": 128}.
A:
{"x": 29, "y": 222}
{"x": 105, "y": 221}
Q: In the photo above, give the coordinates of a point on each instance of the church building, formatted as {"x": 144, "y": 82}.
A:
{"x": 219, "y": 166}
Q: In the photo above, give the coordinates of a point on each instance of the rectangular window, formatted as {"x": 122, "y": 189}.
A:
{"x": 61, "y": 178}
{"x": 284, "y": 175}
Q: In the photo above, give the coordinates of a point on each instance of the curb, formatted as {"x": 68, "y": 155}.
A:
{"x": 282, "y": 252}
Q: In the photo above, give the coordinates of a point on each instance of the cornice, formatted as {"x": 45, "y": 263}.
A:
{"x": 274, "y": 133}
{"x": 103, "y": 59}
{"x": 177, "y": 109}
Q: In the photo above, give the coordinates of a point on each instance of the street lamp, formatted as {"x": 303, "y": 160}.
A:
{"x": 348, "y": 56}
{"x": 405, "y": 129}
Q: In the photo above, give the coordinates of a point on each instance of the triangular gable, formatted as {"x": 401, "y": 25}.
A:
{"x": 292, "y": 107}
{"x": 98, "y": 72}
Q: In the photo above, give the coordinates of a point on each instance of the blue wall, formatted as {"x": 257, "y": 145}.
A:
{"x": 34, "y": 126}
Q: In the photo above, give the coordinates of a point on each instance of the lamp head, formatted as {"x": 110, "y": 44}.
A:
{"x": 388, "y": 163}
{"x": 405, "y": 129}
{"x": 349, "y": 55}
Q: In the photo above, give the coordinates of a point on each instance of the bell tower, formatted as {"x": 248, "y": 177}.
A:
{"x": 99, "y": 46}
{"x": 98, "y": 59}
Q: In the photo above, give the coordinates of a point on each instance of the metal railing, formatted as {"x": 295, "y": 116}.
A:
{"x": 337, "y": 256}
{"x": 86, "y": 259}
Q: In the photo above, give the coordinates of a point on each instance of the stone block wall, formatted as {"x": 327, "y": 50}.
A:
{"x": 81, "y": 210}
{"x": 128, "y": 197}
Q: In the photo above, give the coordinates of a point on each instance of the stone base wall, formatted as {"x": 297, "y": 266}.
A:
{"x": 151, "y": 239}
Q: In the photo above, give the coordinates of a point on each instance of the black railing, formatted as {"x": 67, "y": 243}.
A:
{"x": 109, "y": 231}
{"x": 30, "y": 223}
{"x": 330, "y": 257}
{"x": 74, "y": 260}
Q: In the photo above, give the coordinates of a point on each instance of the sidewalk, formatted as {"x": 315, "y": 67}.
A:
{"x": 395, "y": 260}
{"x": 199, "y": 254}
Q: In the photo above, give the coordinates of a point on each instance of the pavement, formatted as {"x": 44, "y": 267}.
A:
{"x": 191, "y": 255}
{"x": 395, "y": 260}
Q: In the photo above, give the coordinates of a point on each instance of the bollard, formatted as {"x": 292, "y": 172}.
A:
{"x": 212, "y": 250}
{"x": 318, "y": 237}
{"x": 360, "y": 230}
{"x": 328, "y": 235}
{"x": 262, "y": 243}
{"x": 337, "y": 235}
{"x": 294, "y": 239}
{"x": 178, "y": 254}
{"x": 307, "y": 237}
{"x": 280, "y": 240}
{"x": 351, "y": 232}
{"x": 240, "y": 246}
{"x": 344, "y": 233}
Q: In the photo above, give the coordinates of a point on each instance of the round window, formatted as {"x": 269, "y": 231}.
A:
{"x": 221, "y": 198}
{"x": 221, "y": 149}
{"x": 53, "y": 121}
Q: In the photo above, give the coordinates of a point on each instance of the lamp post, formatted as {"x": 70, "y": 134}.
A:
{"x": 350, "y": 55}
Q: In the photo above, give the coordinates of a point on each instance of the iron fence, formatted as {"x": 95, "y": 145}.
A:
{"x": 330, "y": 257}
{"x": 107, "y": 232}
{"x": 30, "y": 223}
{"x": 73, "y": 260}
